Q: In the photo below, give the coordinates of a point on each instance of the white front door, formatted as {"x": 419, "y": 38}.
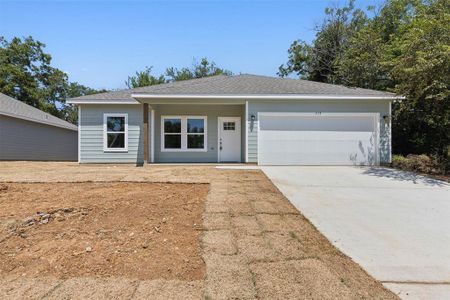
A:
{"x": 229, "y": 139}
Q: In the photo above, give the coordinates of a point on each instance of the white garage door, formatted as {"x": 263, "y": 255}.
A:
{"x": 317, "y": 139}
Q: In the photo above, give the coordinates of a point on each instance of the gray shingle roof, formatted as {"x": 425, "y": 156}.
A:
{"x": 244, "y": 84}
{"x": 17, "y": 109}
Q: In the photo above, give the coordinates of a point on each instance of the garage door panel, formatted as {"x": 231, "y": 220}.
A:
{"x": 317, "y": 123}
{"x": 317, "y": 147}
{"x": 315, "y": 135}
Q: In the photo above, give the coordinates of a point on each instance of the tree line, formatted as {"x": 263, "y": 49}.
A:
{"x": 204, "y": 68}
{"x": 26, "y": 74}
{"x": 402, "y": 47}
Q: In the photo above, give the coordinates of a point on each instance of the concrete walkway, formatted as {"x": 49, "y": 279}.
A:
{"x": 395, "y": 224}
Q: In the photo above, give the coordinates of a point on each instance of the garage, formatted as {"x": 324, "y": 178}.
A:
{"x": 318, "y": 138}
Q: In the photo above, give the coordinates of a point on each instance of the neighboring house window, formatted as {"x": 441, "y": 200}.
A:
{"x": 183, "y": 133}
{"x": 115, "y": 132}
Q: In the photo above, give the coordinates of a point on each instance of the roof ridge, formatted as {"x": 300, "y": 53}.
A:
{"x": 241, "y": 84}
{"x": 188, "y": 81}
{"x": 155, "y": 86}
{"x": 315, "y": 82}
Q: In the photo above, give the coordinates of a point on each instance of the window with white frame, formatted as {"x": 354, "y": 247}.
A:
{"x": 115, "y": 132}
{"x": 183, "y": 133}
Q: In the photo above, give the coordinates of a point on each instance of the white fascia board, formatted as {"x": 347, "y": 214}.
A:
{"x": 265, "y": 97}
{"x": 101, "y": 101}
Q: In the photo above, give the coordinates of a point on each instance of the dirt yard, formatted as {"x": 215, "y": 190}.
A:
{"x": 248, "y": 241}
{"x": 133, "y": 230}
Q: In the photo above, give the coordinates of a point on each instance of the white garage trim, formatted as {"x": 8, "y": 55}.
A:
{"x": 325, "y": 114}
{"x": 79, "y": 134}
{"x": 246, "y": 132}
{"x": 375, "y": 116}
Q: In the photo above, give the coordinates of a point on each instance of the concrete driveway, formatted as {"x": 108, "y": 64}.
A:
{"x": 395, "y": 224}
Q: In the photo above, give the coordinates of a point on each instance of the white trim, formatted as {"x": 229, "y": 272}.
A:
{"x": 375, "y": 116}
{"x": 246, "y": 133}
{"x": 79, "y": 134}
{"x": 377, "y": 138}
{"x": 231, "y": 97}
{"x": 152, "y": 137}
{"x": 263, "y": 97}
{"x": 101, "y": 101}
{"x": 209, "y": 101}
{"x": 184, "y": 134}
{"x": 105, "y": 137}
{"x": 219, "y": 127}
{"x": 390, "y": 132}
{"x": 218, "y": 139}
{"x": 288, "y": 114}
{"x": 258, "y": 138}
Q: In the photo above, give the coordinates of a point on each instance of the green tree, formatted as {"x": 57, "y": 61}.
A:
{"x": 198, "y": 70}
{"x": 319, "y": 61}
{"x": 74, "y": 89}
{"x": 26, "y": 74}
{"x": 405, "y": 48}
{"x": 363, "y": 64}
{"x": 418, "y": 59}
{"x": 144, "y": 78}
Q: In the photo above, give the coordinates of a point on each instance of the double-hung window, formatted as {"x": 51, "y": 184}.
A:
{"x": 115, "y": 132}
{"x": 183, "y": 133}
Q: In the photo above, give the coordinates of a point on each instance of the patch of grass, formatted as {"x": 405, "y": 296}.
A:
{"x": 293, "y": 235}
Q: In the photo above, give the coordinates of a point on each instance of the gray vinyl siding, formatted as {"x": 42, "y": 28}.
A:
{"x": 91, "y": 125}
{"x": 341, "y": 106}
{"x": 26, "y": 140}
{"x": 212, "y": 112}
{"x": 91, "y": 148}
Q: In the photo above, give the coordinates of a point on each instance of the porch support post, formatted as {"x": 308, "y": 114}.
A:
{"x": 246, "y": 132}
{"x": 152, "y": 140}
{"x": 145, "y": 111}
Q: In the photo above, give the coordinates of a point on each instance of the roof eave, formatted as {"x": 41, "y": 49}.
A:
{"x": 139, "y": 96}
{"x": 100, "y": 101}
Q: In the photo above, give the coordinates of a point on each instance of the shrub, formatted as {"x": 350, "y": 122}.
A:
{"x": 418, "y": 163}
{"x": 400, "y": 162}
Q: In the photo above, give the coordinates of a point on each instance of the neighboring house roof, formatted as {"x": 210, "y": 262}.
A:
{"x": 17, "y": 109}
{"x": 238, "y": 85}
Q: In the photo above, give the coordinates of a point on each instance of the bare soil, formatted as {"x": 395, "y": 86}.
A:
{"x": 254, "y": 243}
{"x": 116, "y": 229}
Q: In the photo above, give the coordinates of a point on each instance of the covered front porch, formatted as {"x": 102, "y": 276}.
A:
{"x": 193, "y": 131}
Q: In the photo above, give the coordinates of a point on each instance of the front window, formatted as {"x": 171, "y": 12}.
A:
{"x": 172, "y": 133}
{"x": 183, "y": 133}
{"x": 195, "y": 133}
{"x": 115, "y": 132}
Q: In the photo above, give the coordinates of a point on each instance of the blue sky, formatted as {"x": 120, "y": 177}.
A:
{"x": 100, "y": 43}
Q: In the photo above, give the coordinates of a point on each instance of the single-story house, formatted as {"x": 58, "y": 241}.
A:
{"x": 27, "y": 133}
{"x": 243, "y": 118}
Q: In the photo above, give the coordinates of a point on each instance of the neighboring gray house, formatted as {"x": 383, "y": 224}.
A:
{"x": 27, "y": 133}
{"x": 243, "y": 118}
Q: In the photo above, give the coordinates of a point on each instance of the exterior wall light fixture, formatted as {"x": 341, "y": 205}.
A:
{"x": 252, "y": 122}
